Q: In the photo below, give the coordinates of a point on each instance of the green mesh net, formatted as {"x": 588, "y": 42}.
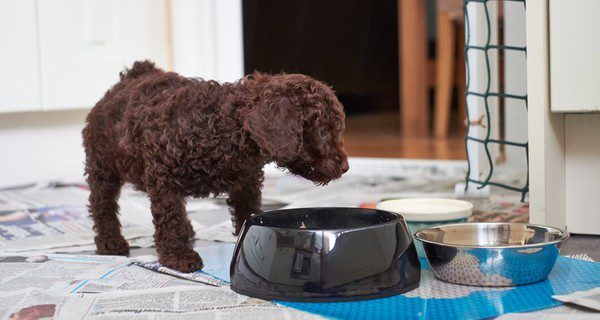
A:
{"x": 486, "y": 95}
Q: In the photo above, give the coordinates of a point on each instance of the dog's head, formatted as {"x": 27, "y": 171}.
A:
{"x": 298, "y": 122}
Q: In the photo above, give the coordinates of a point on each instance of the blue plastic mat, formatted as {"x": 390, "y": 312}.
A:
{"x": 436, "y": 299}
{"x": 217, "y": 259}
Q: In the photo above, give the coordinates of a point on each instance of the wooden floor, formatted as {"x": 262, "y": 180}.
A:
{"x": 378, "y": 135}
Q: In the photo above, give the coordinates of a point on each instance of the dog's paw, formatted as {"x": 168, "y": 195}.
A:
{"x": 112, "y": 246}
{"x": 188, "y": 261}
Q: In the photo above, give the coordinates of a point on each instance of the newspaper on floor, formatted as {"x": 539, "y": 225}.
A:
{"x": 150, "y": 263}
{"x": 184, "y": 302}
{"x": 56, "y": 219}
{"x": 217, "y": 259}
{"x": 34, "y": 286}
{"x": 54, "y": 227}
{"x": 140, "y": 242}
{"x": 37, "y": 284}
{"x": 56, "y": 286}
{"x": 10, "y": 299}
{"x": 221, "y": 232}
{"x": 38, "y": 218}
{"x": 131, "y": 277}
{"x": 589, "y": 299}
{"x": 30, "y": 304}
{"x": 352, "y": 190}
{"x": 57, "y": 274}
{"x": 42, "y": 196}
{"x": 368, "y": 180}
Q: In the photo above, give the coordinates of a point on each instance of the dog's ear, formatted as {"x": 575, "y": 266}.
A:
{"x": 275, "y": 126}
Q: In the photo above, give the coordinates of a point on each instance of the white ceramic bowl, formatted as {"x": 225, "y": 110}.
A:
{"x": 422, "y": 213}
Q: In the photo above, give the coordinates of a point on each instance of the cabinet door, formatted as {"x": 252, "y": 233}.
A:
{"x": 86, "y": 43}
{"x": 574, "y": 55}
{"x": 19, "y": 64}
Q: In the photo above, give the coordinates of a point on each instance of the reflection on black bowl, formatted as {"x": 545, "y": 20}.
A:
{"x": 324, "y": 254}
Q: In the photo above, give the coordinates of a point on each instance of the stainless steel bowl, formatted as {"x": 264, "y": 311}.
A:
{"x": 491, "y": 254}
{"x": 324, "y": 254}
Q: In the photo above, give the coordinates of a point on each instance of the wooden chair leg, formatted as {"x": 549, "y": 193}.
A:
{"x": 414, "y": 101}
{"x": 445, "y": 50}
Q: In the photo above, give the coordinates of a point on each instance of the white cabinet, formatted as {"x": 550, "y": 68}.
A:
{"x": 67, "y": 53}
{"x": 582, "y": 172}
{"x": 563, "y": 77}
{"x": 20, "y": 86}
{"x": 574, "y": 28}
{"x": 84, "y": 45}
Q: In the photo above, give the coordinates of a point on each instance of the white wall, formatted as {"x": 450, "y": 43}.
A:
{"x": 51, "y": 60}
{"x": 515, "y": 82}
{"x": 206, "y": 41}
{"x": 41, "y": 146}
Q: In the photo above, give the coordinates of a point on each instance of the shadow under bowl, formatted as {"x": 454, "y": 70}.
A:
{"x": 324, "y": 254}
{"x": 491, "y": 254}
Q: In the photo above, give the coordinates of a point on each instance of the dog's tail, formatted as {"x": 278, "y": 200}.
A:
{"x": 138, "y": 69}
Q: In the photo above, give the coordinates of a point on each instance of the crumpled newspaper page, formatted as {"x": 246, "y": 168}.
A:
{"x": 150, "y": 262}
{"x": 589, "y": 299}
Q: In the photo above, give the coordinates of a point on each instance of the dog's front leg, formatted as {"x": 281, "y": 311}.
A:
{"x": 173, "y": 232}
{"x": 244, "y": 201}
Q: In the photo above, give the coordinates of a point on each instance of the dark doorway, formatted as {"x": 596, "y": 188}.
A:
{"x": 351, "y": 45}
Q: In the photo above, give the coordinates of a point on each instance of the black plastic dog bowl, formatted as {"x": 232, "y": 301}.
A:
{"x": 324, "y": 254}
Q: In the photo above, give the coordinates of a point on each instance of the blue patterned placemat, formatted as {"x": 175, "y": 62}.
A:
{"x": 217, "y": 259}
{"x": 435, "y": 299}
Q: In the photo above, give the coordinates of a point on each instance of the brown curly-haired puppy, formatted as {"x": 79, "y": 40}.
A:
{"x": 175, "y": 137}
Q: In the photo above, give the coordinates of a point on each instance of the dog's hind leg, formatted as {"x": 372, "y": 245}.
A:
{"x": 104, "y": 208}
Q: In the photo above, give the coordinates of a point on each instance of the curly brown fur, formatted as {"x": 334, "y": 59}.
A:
{"x": 175, "y": 137}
